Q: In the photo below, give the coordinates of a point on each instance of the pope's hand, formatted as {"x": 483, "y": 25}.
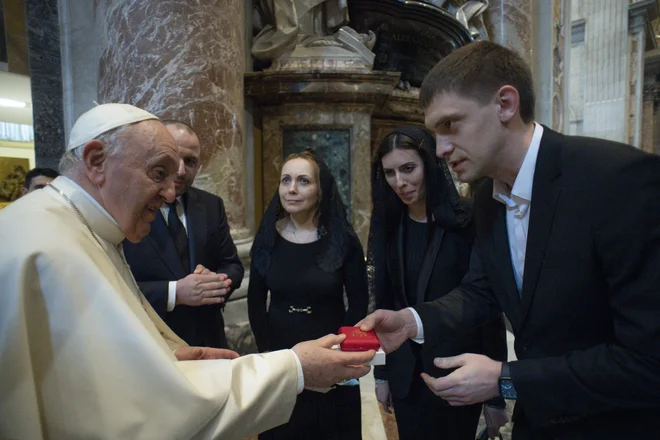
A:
{"x": 474, "y": 380}
{"x": 323, "y": 367}
{"x": 392, "y": 328}
{"x": 197, "y": 353}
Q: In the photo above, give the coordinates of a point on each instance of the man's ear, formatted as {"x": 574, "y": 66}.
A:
{"x": 24, "y": 191}
{"x": 94, "y": 158}
{"x": 508, "y": 100}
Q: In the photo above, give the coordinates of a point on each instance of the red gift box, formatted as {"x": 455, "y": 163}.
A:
{"x": 357, "y": 340}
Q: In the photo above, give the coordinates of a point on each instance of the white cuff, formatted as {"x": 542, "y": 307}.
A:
{"x": 419, "y": 338}
{"x": 301, "y": 377}
{"x": 171, "y": 295}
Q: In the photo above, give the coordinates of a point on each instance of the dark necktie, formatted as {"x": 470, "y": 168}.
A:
{"x": 178, "y": 233}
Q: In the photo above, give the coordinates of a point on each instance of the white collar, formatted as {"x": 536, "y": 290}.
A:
{"x": 521, "y": 192}
{"x": 98, "y": 218}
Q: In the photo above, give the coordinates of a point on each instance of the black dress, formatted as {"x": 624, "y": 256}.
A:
{"x": 308, "y": 303}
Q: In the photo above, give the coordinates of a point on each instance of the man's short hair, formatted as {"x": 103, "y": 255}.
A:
{"x": 182, "y": 125}
{"x": 477, "y": 71}
{"x": 35, "y": 172}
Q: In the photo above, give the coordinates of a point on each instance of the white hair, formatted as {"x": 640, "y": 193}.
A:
{"x": 71, "y": 161}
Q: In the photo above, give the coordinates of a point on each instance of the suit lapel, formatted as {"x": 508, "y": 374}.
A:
{"x": 195, "y": 217}
{"x": 162, "y": 242}
{"x": 395, "y": 263}
{"x": 429, "y": 263}
{"x": 545, "y": 195}
{"x": 502, "y": 253}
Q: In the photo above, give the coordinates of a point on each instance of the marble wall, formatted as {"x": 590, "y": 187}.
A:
{"x": 81, "y": 45}
{"x": 46, "y": 80}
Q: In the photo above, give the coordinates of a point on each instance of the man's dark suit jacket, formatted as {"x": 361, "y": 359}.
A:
{"x": 446, "y": 261}
{"x": 588, "y": 325}
{"x": 155, "y": 262}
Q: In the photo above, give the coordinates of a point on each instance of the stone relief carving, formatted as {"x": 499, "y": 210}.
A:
{"x": 468, "y": 12}
{"x": 308, "y": 34}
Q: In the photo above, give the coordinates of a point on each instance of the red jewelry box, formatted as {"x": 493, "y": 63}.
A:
{"x": 357, "y": 340}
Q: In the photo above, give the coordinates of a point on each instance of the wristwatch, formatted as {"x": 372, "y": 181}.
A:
{"x": 507, "y": 390}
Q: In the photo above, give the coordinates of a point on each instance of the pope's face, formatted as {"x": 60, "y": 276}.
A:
{"x": 141, "y": 178}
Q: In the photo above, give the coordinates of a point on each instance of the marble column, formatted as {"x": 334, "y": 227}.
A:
{"x": 509, "y": 23}
{"x": 184, "y": 60}
{"x": 46, "y": 80}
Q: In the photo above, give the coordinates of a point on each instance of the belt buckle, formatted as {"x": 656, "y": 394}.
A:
{"x": 307, "y": 310}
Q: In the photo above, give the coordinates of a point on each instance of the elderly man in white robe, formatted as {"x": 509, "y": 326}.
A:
{"x": 83, "y": 354}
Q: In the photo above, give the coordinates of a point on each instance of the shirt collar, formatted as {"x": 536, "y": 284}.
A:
{"x": 98, "y": 218}
{"x": 521, "y": 192}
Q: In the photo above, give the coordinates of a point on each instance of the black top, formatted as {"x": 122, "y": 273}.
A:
{"x": 296, "y": 280}
{"x": 416, "y": 242}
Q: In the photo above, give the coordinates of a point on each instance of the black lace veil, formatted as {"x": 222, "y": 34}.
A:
{"x": 443, "y": 204}
{"x": 332, "y": 224}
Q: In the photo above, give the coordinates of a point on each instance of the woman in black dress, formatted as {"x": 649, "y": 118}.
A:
{"x": 307, "y": 255}
{"x": 419, "y": 249}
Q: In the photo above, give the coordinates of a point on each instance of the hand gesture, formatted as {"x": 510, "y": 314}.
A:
{"x": 392, "y": 328}
{"x": 474, "y": 380}
{"x": 323, "y": 367}
{"x": 202, "y": 287}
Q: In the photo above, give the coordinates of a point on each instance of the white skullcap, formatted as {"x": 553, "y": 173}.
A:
{"x": 102, "y": 118}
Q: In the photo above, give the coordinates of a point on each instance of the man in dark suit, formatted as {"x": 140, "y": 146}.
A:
{"x": 567, "y": 246}
{"x": 188, "y": 264}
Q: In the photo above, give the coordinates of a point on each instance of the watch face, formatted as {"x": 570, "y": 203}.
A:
{"x": 507, "y": 389}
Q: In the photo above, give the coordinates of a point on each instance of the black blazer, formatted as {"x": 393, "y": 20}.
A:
{"x": 445, "y": 263}
{"x": 155, "y": 262}
{"x": 588, "y": 325}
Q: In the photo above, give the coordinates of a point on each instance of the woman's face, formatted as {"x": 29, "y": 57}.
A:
{"x": 404, "y": 172}
{"x": 299, "y": 187}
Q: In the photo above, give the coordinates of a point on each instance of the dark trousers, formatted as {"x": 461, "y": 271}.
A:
{"x": 423, "y": 415}
{"x": 335, "y": 415}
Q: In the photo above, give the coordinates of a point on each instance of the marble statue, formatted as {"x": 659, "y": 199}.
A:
{"x": 299, "y": 34}
{"x": 468, "y": 12}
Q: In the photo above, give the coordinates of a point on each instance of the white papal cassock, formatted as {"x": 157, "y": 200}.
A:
{"x": 82, "y": 357}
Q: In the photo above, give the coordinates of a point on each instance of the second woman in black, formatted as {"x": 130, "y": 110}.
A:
{"x": 419, "y": 249}
{"x": 307, "y": 255}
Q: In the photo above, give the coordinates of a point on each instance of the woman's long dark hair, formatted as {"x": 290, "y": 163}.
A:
{"x": 444, "y": 207}
{"x": 330, "y": 218}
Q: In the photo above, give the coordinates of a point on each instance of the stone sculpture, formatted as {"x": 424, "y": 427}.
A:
{"x": 309, "y": 35}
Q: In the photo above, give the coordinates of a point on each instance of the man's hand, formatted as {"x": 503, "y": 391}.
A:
{"x": 202, "y": 287}
{"x": 495, "y": 418}
{"x": 392, "y": 328}
{"x": 474, "y": 381}
{"x": 384, "y": 396}
{"x": 197, "y": 353}
{"x": 323, "y": 367}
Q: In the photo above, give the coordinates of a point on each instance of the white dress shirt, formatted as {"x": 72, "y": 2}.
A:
{"x": 518, "y": 201}
{"x": 181, "y": 213}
